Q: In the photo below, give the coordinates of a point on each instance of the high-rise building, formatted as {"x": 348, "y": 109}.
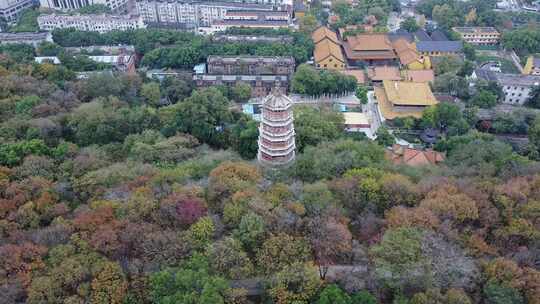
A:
{"x": 11, "y": 9}
{"x": 196, "y": 13}
{"x": 276, "y": 131}
{"x": 65, "y": 5}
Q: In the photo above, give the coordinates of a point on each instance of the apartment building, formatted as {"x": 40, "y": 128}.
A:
{"x": 95, "y": 23}
{"x": 479, "y": 35}
{"x": 11, "y": 9}
{"x": 193, "y": 13}
{"x": 66, "y": 5}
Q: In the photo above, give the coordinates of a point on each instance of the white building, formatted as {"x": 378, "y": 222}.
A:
{"x": 66, "y": 5}
{"x": 517, "y": 88}
{"x": 193, "y": 13}
{"x": 95, "y": 23}
{"x": 10, "y": 9}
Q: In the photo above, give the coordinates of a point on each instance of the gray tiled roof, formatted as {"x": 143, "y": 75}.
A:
{"x": 439, "y": 46}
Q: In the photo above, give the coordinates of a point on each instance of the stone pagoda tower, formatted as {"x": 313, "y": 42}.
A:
{"x": 276, "y": 131}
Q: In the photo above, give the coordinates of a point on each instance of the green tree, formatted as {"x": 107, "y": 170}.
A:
{"x": 384, "y": 137}
{"x": 314, "y": 125}
{"x": 361, "y": 94}
{"x": 308, "y": 24}
{"x": 363, "y": 297}
{"x": 250, "y": 231}
{"x": 534, "y": 98}
{"x": 192, "y": 283}
{"x": 241, "y": 92}
{"x": 205, "y": 115}
{"x": 151, "y": 93}
{"x": 298, "y": 283}
{"x": 398, "y": 256}
{"x": 409, "y": 24}
{"x": 484, "y": 99}
{"x": 502, "y": 294}
{"x": 332, "y": 294}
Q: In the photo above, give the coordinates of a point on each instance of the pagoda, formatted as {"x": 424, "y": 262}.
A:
{"x": 276, "y": 131}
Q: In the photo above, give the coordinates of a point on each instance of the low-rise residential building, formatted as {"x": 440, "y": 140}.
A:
{"x": 479, "y": 35}
{"x": 286, "y": 39}
{"x": 402, "y": 99}
{"x": 33, "y": 39}
{"x": 11, "y": 9}
{"x": 532, "y": 67}
{"x": 327, "y": 52}
{"x": 95, "y": 23}
{"x": 517, "y": 88}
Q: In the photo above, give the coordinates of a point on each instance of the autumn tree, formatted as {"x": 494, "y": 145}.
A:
{"x": 109, "y": 286}
{"x": 280, "y": 251}
{"x": 297, "y": 283}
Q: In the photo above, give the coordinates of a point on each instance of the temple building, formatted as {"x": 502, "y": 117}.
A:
{"x": 276, "y": 131}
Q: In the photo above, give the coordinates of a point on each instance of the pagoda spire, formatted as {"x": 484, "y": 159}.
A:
{"x": 276, "y": 131}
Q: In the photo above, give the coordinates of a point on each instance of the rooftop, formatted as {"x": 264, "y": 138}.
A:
{"x": 475, "y": 29}
{"x": 403, "y": 155}
{"x": 322, "y": 33}
{"x": 380, "y": 73}
{"x": 419, "y": 75}
{"x": 10, "y": 37}
{"x": 327, "y": 48}
{"x": 358, "y": 74}
{"x": 439, "y": 46}
{"x": 508, "y": 79}
{"x": 251, "y": 59}
{"x": 369, "y": 42}
{"x": 277, "y": 101}
{"x": 355, "y": 118}
{"x": 405, "y": 51}
{"x": 409, "y": 93}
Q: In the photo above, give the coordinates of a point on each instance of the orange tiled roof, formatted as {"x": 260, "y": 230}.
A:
{"x": 358, "y": 74}
{"x": 370, "y": 42}
{"x": 384, "y": 73}
{"x": 324, "y": 33}
{"x": 405, "y": 51}
{"x": 413, "y": 157}
{"x": 327, "y": 48}
{"x": 419, "y": 75}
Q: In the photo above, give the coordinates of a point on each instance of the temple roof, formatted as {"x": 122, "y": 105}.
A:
{"x": 277, "y": 101}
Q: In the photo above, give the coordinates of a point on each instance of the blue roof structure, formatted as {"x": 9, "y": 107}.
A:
{"x": 439, "y": 46}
